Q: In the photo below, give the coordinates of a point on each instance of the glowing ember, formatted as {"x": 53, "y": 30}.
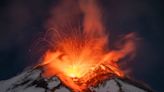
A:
{"x": 79, "y": 55}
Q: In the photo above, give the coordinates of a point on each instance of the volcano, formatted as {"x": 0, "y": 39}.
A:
{"x": 32, "y": 81}
{"x": 79, "y": 57}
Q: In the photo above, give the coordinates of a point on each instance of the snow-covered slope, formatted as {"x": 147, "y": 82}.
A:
{"x": 32, "y": 81}
{"x": 118, "y": 85}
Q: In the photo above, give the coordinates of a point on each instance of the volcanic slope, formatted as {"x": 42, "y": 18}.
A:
{"x": 33, "y": 81}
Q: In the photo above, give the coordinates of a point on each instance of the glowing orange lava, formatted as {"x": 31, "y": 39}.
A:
{"x": 83, "y": 53}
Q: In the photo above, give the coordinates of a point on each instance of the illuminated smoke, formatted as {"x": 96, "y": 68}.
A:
{"x": 78, "y": 42}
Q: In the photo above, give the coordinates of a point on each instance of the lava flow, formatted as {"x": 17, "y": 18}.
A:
{"x": 80, "y": 54}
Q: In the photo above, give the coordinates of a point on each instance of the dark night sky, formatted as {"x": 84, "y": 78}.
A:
{"x": 21, "y": 24}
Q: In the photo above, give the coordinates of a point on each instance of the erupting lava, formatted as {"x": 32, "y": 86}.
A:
{"x": 80, "y": 54}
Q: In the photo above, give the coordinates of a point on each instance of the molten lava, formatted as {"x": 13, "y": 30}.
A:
{"x": 79, "y": 55}
{"x": 84, "y": 59}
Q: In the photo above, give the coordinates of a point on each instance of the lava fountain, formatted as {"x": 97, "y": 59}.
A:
{"x": 79, "y": 52}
